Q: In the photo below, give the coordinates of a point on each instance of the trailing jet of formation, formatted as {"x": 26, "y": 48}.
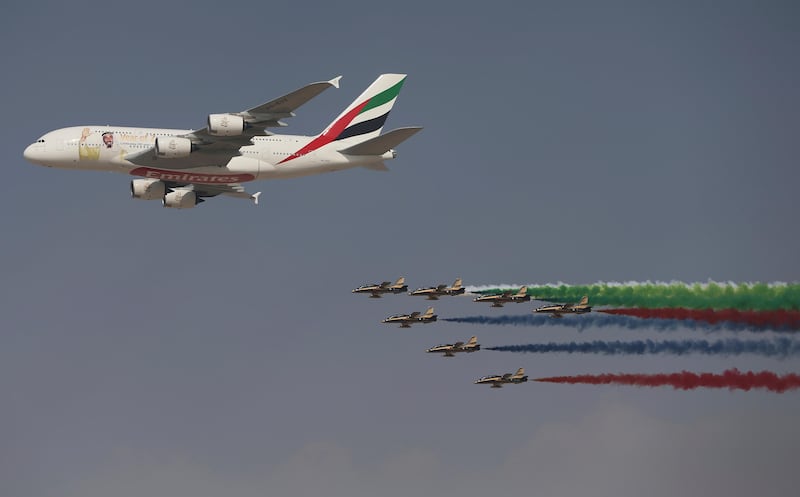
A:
{"x": 406, "y": 320}
{"x": 451, "y": 349}
{"x": 497, "y": 381}
{"x": 183, "y": 167}
{"x": 434, "y": 292}
{"x": 558, "y": 310}
{"x": 504, "y": 298}
{"x": 377, "y": 289}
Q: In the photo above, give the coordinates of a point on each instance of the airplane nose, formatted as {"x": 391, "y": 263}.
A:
{"x": 32, "y": 153}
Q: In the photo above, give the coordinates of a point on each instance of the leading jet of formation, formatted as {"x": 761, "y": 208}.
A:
{"x": 183, "y": 167}
{"x": 377, "y": 289}
{"x": 503, "y": 298}
{"x": 406, "y": 320}
{"x": 450, "y": 349}
{"x": 497, "y": 381}
{"x": 558, "y": 310}
{"x": 434, "y": 292}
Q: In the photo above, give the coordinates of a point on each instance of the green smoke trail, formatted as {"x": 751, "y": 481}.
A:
{"x": 744, "y": 296}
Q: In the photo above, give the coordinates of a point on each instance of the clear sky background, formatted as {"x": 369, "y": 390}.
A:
{"x": 219, "y": 351}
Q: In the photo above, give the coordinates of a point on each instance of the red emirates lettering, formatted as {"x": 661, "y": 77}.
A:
{"x": 180, "y": 177}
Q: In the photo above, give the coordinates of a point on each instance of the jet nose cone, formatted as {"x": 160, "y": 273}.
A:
{"x": 33, "y": 153}
{"x": 28, "y": 153}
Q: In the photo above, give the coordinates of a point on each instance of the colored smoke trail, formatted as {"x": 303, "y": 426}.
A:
{"x": 758, "y": 319}
{"x": 732, "y": 379}
{"x": 712, "y": 295}
{"x": 604, "y": 320}
{"x": 780, "y": 348}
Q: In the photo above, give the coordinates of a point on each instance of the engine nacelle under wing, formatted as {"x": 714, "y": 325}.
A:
{"x": 181, "y": 199}
{"x": 173, "y": 147}
{"x": 225, "y": 125}
{"x": 148, "y": 189}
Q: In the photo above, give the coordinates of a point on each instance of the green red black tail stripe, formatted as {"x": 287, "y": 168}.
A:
{"x": 342, "y": 127}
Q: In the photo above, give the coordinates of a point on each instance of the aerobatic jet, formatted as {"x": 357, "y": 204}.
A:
{"x": 558, "y": 310}
{"x": 499, "y": 299}
{"x": 378, "y": 289}
{"x": 497, "y": 381}
{"x": 450, "y": 349}
{"x": 406, "y": 320}
{"x": 434, "y": 292}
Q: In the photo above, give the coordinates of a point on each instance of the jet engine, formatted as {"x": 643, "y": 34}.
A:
{"x": 148, "y": 188}
{"x": 181, "y": 199}
{"x": 225, "y": 125}
{"x": 173, "y": 147}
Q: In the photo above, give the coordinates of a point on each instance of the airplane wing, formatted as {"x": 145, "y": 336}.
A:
{"x": 506, "y": 377}
{"x": 214, "y": 150}
{"x": 203, "y": 190}
{"x": 458, "y": 344}
{"x": 385, "y": 284}
{"x": 414, "y": 314}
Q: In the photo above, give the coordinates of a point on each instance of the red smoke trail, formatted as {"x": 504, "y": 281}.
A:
{"x": 732, "y": 379}
{"x": 780, "y": 319}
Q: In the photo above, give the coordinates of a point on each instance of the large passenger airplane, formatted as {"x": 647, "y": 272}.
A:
{"x": 183, "y": 167}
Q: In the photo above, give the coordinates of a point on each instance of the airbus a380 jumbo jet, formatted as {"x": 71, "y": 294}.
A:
{"x": 182, "y": 167}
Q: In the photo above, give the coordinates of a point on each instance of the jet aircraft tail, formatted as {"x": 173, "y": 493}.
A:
{"x": 363, "y": 119}
{"x": 522, "y": 291}
{"x": 457, "y": 284}
{"x": 428, "y": 313}
{"x": 472, "y": 341}
{"x": 584, "y": 300}
{"x": 400, "y": 281}
{"x": 520, "y": 373}
{"x": 379, "y": 145}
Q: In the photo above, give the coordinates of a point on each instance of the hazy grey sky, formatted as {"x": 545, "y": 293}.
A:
{"x": 218, "y": 351}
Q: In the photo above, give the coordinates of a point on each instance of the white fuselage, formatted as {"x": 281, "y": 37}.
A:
{"x": 271, "y": 156}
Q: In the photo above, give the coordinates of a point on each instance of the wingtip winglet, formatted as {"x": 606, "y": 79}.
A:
{"x": 255, "y": 197}
{"x": 335, "y": 81}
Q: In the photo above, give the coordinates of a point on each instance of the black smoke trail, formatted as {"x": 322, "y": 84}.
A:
{"x": 603, "y": 320}
{"x": 779, "y": 348}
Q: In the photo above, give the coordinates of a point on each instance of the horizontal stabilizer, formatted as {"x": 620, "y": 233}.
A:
{"x": 381, "y": 144}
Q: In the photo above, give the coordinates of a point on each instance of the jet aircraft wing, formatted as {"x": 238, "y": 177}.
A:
{"x": 213, "y": 150}
{"x": 203, "y": 190}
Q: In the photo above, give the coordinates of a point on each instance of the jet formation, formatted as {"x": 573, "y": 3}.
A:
{"x": 377, "y": 290}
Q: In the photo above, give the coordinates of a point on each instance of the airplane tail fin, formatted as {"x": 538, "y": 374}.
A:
{"x": 364, "y": 117}
{"x": 428, "y": 312}
{"x": 520, "y": 373}
{"x": 472, "y": 341}
{"x": 379, "y": 145}
{"x": 400, "y": 281}
{"x": 584, "y": 300}
{"x": 457, "y": 284}
{"x": 522, "y": 291}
